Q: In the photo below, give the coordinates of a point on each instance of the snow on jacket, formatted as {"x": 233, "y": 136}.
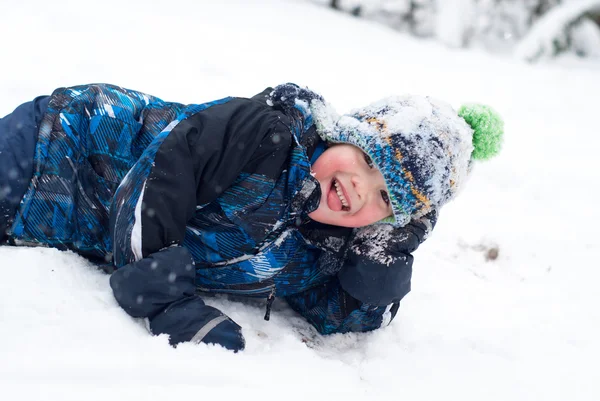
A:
{"x": 185, "y": 199}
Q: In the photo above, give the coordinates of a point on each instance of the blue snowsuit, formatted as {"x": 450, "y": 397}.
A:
{"x": 185, "y": 199}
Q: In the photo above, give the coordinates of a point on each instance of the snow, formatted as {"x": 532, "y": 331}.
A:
{"x": 524, "y": 326}
{"x": 378, "y": 239}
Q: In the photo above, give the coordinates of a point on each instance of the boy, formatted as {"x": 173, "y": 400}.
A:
{"x": 255, "y": 197}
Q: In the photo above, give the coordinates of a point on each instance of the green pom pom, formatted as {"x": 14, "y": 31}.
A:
{"x": 488, "y": 130}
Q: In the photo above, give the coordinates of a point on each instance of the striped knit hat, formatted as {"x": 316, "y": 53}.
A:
{"x": 422, "y": 146}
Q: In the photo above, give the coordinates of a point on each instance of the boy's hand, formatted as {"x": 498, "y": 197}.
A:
{"x": 384, "y": 242}
{"x": 378, "y": 265}
{"x": 162, "y": 288}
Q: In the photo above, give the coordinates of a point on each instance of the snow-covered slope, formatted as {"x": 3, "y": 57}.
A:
{"x": 524, "y": 326}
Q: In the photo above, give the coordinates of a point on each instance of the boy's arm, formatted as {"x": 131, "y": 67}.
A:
{"x": 331, "y": 310}
{"x": 189, "y": 166}
{"x": 375, "y": 276}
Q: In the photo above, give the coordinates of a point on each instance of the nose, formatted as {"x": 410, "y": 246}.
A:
{"x": 370, "y": 181}
{"x": 357, "y": 185}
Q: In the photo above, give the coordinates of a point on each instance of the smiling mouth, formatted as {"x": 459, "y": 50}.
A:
{"x": 340, "y": 194}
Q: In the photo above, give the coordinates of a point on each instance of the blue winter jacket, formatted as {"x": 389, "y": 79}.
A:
{"x": 185, "y": 199}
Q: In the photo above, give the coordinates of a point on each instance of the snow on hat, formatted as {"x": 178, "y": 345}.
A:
{"x": 422, "y": 146}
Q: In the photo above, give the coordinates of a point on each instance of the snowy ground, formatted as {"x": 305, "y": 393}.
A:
{"x": 522, "y": 327}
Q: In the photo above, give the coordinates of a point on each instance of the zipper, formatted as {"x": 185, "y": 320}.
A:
{"x": 270, "y": 300}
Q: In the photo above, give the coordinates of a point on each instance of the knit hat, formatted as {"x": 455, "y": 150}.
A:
{"x": 422, "y": 146}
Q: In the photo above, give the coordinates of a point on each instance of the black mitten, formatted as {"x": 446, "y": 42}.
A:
{"x": 378, "y": 265}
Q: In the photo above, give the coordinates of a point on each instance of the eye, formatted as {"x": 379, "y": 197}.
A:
{"x": 385, "y": 197}
{"x": 369, "y": 161}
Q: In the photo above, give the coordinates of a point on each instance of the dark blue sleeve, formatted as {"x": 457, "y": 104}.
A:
{"x": 331, "y": 310}
{"x": 161, "y": 288}
{"x": 375, "y": 276}
{"x": 364, "y": 296}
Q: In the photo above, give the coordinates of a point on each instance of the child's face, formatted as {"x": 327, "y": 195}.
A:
{"x": 353, "y": 191}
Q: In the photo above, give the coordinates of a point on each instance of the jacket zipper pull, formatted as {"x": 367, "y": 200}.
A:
{"x": 270, "y": 300}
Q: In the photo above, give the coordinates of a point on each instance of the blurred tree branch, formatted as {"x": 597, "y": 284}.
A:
{"x": 499, "y": 26}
